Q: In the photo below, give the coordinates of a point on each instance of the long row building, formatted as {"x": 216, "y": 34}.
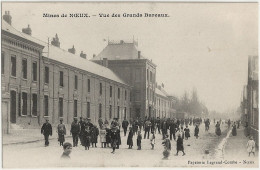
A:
{"x": 40, "y": 80}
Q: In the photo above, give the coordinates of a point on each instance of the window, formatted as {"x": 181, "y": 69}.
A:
{"x": 60, "y": 107}
{"x": 75, "y": 108}
{"x": 88, "y": 109}
{"x": 34, "y": 104}
{"x": 118, "y": 111}
{"x": 76, "y": 82}
{"x": 147, "y": 75}
{"x": 88, "y": 85}
{"x": 130, "y": 113}
{"x": 118, "y": 93}
{"x": 24, "y": 68}
{"x": 46, "y": 105}
{"x": 110, "y": 91}
{"x": 13, "y": 66}
{"x": 46, "y": 75}
{"x": 110, "y": 111}
{"x": 24, "y": 103}
{"x": 138, "y": 75}
{"x": 125, "y": 113}
{"x": 151, "y": 76}
{"x": 100, "y": 88}
{"x": 100, "y": 110}
{"x": 125, "y": 94}
{"x": 34, "y": 71}
{"x": 61, "y": 78}
{"x": 2, "y": 63}
{"x": 147, "y": 94}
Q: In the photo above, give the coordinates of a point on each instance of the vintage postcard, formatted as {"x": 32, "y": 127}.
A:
{"x": 129, "y": 84}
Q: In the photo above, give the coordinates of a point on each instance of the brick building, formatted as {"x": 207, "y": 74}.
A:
{"x": 44, "y": 81}
{"x": 127, "y": 62}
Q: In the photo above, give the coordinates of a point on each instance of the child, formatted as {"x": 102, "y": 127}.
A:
{"x": 94, "y": 135}
{"x": 139, "y": 140}
{"x": 130, "y": 138}
{"x": 251, "y": 146}
{"x": 87, "y": 138}
{"x": 167, "y": 147}
{"x": 67, "y": 150}
{"x": 180, "y": 145}
{"x": 152, "y": 140}
{"x": 187, "y": 132}
{"x": 103, "y": 136}
{"x": 196, "y": 133}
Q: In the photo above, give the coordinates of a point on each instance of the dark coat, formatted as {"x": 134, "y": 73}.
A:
{"x": 180, "y": 144}
{"x": 114, "y": 138}
{"x": 46, "y": 129}
{"x": 167, "y": 144}
{"x": 75, "y": 128}
{"x": 118, "y": 137}
{"x": 130, "y": 138}
{"x": 187, "y": 132}
{"x": 196, "y": 133}
{"x": 125, "y": 124}
{"x": 139, "y": 139}
{"x": 108, "y": 135}
{"x": 234, "y": 130}
{"x": 94, "y": 134}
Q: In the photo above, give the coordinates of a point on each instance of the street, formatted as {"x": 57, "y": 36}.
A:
{"x": 33, "y": 155}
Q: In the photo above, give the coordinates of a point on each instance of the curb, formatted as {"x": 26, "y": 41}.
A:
{"x": 31, "y": 141}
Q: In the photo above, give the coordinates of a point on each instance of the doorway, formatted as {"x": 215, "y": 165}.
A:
{"x": 13, "y": 107}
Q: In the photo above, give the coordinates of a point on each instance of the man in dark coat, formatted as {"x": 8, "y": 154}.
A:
{"x": 180, "y": 146}
{"x": 118, "y": 137}
{"x": 152, "y": 125}
{"x": 130, "y": 138}
{"x": 81, "y": 125}
{"x": 164, "y": 129}
{"x": 125, "y": 125}
{"x": 94, "y": 135}
{"x": 114, "y": 137}
{"x": 158, "y": 124}
{"x": 75, "y": 130}
{"x": 147, "y": 127}
{"x": 172, "y": 130}
{"x": 46, "y": 130}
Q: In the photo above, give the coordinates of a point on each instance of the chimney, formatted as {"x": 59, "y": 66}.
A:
{"x": 139, "y": 54}
{"x": 72, "y": 50}
{"x": 162, "y": 85}
{"x": 55, "y": 41}
{"x": 105, "y": 62}
{"x": 7, "y": 17}
{"x": 27, "y": 30}
{"x": 82, "y": 55}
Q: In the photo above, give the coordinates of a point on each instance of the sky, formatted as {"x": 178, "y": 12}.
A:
{"x": 200, "y": 45}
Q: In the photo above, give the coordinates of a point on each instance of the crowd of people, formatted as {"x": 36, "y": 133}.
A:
{"x": 109, "y": 133}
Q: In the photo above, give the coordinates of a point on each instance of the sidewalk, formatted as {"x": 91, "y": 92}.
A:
{"x": 22, "y": 136}
{"x": 235, "y": 149}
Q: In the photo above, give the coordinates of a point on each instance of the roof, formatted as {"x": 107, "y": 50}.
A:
{"x": 8, "y": 28}
{"x": 63, "y": 56}
{"x": 119, "y": 51}
{"x": 159, "y": 92}
{"x": 68, "y": 58}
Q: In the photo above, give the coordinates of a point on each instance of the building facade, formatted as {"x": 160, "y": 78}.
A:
{"x": 40, "y": 81}
{"x": 126, "y": 61}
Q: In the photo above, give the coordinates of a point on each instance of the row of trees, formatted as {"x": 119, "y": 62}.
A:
{"x": 191, "y": 105}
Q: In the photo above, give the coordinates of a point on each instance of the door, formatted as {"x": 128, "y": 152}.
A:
{"x": 13, "y": 107}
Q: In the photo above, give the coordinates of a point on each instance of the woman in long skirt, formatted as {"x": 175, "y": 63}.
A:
{"x": 130, "y": 138}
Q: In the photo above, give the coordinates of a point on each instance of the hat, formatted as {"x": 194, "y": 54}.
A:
{"x": 67, "y": 145}
{"x": 88, "y": 118}
{"x": 251, "y": 137}
{"x": 75, "y": 118}
{"x": 47, "y": 119}
{"x": 61, "y": 119}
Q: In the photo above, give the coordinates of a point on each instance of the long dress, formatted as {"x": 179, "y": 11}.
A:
{"x": 180, "y": 144}
{"x": 187, "y": 133}
{"x": 61, "y": 132}
{"x": 196, "y": 132}
{"x": 130, "y": 138}
{"x": 234, "y": 130}
{"x": 94, "y": 135}
{"x": 218, "y": 131}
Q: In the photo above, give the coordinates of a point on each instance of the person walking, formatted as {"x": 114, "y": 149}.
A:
{"x": 125, "y": 124}
{"x": 75, "y": 130}
{"x": 167, "y": 147}
{"x": 108, "y": 137}
{"x": 130, "y": 138}
{"x": 218, "y": 130}
{"x": 196, "y": 131}
{"x": 152, "y": 140}
{"x": 147, "y": 128}
{"x": 139, "y": 140}
{"x": 61, "y": 129}
{"x": 187, "y": 133}
{"x": 251, "y": 146}
{"x": 172, "y": 130}
{"x": 87, "y": 137}
{"x": 102, "y": 133}
{"x": 234, "y": 129}
{"x": 180, "y": 146}
{"x": 81, "y": 132}
{"x": 94, "y": 135}
{"x": 46, "y": 130}
{"x": 114, "y": 138}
